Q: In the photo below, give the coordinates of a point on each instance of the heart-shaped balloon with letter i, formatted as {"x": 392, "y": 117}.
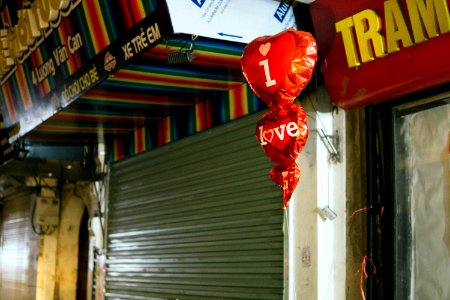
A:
{"x": 278, "y": 67}
{"x": 282, "y": 133}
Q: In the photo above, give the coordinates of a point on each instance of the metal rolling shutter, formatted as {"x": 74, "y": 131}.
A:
{"x": 196, "y": 219}
{"x": 19, "y": 248}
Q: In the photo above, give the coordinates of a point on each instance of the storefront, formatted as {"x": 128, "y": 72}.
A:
{"x": 389, "y": 58}
{"x": 100, "y": 89}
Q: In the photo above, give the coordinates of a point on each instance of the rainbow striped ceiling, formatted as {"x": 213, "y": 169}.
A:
{"x": 145, "y": 103}
{"x": 149, "y": 92}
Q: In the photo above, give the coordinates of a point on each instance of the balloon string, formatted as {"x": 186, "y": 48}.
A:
{"x": 363, "y": 274}
{"x": 286, "y": 234}
{"x": 286, "y": 224}
{"x": 291, "y": 276}
{"x": 358, "y": 211}
{"x": 363, "y": 268}
{"x": 285, "y": 188}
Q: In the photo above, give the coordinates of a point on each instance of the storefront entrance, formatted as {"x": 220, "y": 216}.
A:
{"x": 196, "y": 219}
{"x": 422, "y": 199}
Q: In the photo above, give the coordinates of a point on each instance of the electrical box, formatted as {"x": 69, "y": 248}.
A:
{"x": 47, "y": 211}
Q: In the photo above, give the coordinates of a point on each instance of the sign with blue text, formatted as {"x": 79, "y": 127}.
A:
{"x": 233, "y": 20}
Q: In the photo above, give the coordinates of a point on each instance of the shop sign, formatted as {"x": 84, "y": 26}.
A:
{"x": 60, "y": 55}
{"x": 7, "y": 150}
{"x": 139, "y": 39}
{"x": 34, "y": 24}
{"x": 75, "y": 54}
{"x": 372, "y": 52}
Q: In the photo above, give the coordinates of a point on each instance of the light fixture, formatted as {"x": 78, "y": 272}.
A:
{"x": 182, "y": 56}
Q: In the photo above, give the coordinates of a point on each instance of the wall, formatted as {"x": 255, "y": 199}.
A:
{"x": 355, "y": 199}
{"x": 58, "y": 251}
{"x": 317, "y": 257}
{"x": 42, "y": 266}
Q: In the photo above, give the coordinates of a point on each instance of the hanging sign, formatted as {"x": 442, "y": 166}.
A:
{"x": 80, "y": 44}
{"x": 277, "y": 69}
{"x": 232, "y": 20}
{"x": 7, "y": 150}
{"x": 376, "y": 51}
{"x": 34, "y": 24}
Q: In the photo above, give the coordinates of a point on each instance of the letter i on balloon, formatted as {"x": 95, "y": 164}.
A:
{"x": 278, "y": 68}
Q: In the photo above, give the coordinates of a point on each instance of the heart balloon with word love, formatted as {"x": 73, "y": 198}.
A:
{"x": 277, "y": 69}
{"x": 283, "y": 133}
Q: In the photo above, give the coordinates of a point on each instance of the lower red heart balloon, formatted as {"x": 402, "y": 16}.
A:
{"x": 287, "y": 178}
{"x": 282, "y": 133}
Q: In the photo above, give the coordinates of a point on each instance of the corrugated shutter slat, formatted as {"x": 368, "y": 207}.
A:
{"x": 196, "y": 219}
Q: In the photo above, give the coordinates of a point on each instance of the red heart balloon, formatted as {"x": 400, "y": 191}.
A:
{"x": 278, "y": 67}
{"x": 287, "y": 178}
{"x": 282, "y": 133}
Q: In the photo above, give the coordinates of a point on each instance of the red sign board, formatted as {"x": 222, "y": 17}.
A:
{"x": 373, "y": 51}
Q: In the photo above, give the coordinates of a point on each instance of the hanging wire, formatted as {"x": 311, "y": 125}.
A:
{"x": 33, "y": 225}
{"x": 324, "y": 133}
{"x": 181, "y": 44}
{"x": 329, "y": 185}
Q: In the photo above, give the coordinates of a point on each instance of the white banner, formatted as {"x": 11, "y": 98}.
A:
{"x": 233, "y": 20}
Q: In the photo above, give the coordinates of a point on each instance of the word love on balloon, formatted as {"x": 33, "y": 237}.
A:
{"x": 266, "y": 136}
{"x": 283, "y": 133}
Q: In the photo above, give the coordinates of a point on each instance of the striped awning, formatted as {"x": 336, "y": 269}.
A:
{"x": 144, "y": 100}
{"x": 165, "y": 101}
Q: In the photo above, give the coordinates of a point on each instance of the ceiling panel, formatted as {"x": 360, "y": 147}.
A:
{"x": 145, "y": 91}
